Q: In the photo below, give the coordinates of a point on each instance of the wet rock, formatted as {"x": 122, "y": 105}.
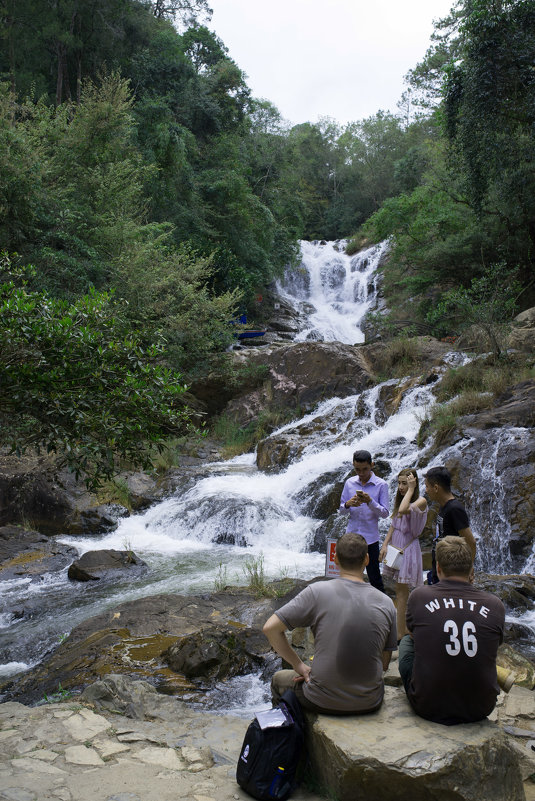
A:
{"x": 29, "y": 553}
{"x": 493, "y": 466}
{"x": 34, "y": 489}
{"x": 491, "y": 455}
{"x": 218, "y": 653}
{"x": 523, "y": 668}
{"x": 390, "y": 397}
{"x": 106, "y": 564}
{"x": 518, "y": 633}
{"x": 331, "y": 528}
{"x": 516, "y": 592}
{"x": 282, "y": 317}
{"x": 130, "y": 638}
{"x": 277, "y": 452}
{"x": 515, "y": 407}
{"x": 324, "y": 496}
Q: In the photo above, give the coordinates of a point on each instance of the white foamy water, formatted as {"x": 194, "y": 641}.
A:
{"x": 332, "y": 290}
{"x": 12, "y": 668}
{"x": 265, "y": 512}
{"x": 207, "y": 533}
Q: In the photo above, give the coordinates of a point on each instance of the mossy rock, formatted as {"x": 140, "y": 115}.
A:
{"x": 523, "y": 669}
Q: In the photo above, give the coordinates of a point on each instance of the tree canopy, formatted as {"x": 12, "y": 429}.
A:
{"x": 75, "y": 380}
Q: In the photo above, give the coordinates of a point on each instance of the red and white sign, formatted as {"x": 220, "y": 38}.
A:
{"x": 331, "y": 568}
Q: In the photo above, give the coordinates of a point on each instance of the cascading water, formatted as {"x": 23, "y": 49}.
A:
{"x": 209, "y": 528}
{"x": 333, "y": 291}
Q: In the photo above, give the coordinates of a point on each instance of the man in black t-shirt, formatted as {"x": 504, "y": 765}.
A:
{"x": 452, "y": 519}
{"x": 448, "y": 661}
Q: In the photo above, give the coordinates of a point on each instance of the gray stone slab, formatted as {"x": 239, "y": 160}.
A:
{"x": 393, "y": 755}
{"x": 17, "y": 794}
{"x": 81, "y": 755}
{"x": 26, "y": 764}
{"x": 85, "y": 725}
{"x": 43, "y": 753}
{"x": 162, "y": 757}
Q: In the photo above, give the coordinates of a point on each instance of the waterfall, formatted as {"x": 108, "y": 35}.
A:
{"x": 208, "y": 529}
{"x": 333, "y": 291}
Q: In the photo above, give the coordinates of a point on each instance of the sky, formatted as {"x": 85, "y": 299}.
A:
{"x": 344, "y": 59}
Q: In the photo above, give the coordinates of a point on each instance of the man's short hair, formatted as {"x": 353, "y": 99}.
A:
{"x": 441, "y": 476}
{"x": 351, "y": 550}
{"x": 362, "y": 456}
{"x": 453, "y": 556}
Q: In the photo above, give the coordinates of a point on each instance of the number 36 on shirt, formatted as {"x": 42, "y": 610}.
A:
{"x": 466, "y": 641}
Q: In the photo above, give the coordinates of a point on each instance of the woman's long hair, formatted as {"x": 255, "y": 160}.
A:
{"x": 407, "y": 471}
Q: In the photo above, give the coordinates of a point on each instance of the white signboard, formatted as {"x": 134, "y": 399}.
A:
{"x": 331, "y": 568}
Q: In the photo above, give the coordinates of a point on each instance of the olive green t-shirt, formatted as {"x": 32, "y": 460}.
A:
{"x": 353, "y": 623}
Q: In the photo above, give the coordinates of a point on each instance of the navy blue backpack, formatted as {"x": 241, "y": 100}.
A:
{"x": 269, "y": 758}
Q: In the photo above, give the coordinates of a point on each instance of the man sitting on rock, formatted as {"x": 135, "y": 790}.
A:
{"x": 354, "y": 627}
{"x": 448, "y": 661}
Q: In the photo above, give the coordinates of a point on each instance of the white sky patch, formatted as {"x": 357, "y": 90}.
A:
{"x": 343, "y": 59}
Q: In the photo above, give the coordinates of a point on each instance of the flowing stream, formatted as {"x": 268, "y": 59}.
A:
{"x": 207, "y": 533}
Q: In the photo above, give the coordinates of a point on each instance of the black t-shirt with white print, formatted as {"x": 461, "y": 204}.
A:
{"x": 456, "y": 629}
{"x": 451, "y": 518}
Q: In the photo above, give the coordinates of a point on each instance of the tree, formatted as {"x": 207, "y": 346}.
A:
{"x": 488, "y": 304}
{"x": 167, "y": 290}
{"x": 75, "y": 380}
{"x": 425, "y": 81}
{"x": 490, "y": 117}
{"x": 188, "y": 11}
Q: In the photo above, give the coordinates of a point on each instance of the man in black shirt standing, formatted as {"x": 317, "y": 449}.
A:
{"x": 448, "y": 661}
{"x": 452, "y": 519}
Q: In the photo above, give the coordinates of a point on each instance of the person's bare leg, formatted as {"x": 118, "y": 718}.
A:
{"x": 402, "y": 596}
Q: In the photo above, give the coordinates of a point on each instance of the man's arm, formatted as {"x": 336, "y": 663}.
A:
{"x": 466, "y": 534}
{"x": 274, "y": 630}
{"x": 380, "y": 506}
{"x": 385, "y": 657}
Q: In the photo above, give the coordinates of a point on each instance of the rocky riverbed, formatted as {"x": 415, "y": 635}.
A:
{"x": 122, "y": 741}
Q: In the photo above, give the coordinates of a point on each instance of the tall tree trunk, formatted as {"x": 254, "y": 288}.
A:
{"x": 59, "y": 81}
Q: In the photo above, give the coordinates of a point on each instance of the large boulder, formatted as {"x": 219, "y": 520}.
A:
{"x": 514, "y": 407}
{"x": 522, "y": 336}
{"x": 217, "y": 653}
{"x": 299, "y": 375}
{"x": 106, "y": 564}
{"x": 393, "y": 755}
{"x": 35, "y": 491}
{"x": 278, "y": 451}
{"x": 491, "y": 456}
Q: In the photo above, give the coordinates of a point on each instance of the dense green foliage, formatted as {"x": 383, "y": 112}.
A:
{"x": 75, "y": 380}
{"x": 147, "y": 187}
{"x": 472, "y": 213}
